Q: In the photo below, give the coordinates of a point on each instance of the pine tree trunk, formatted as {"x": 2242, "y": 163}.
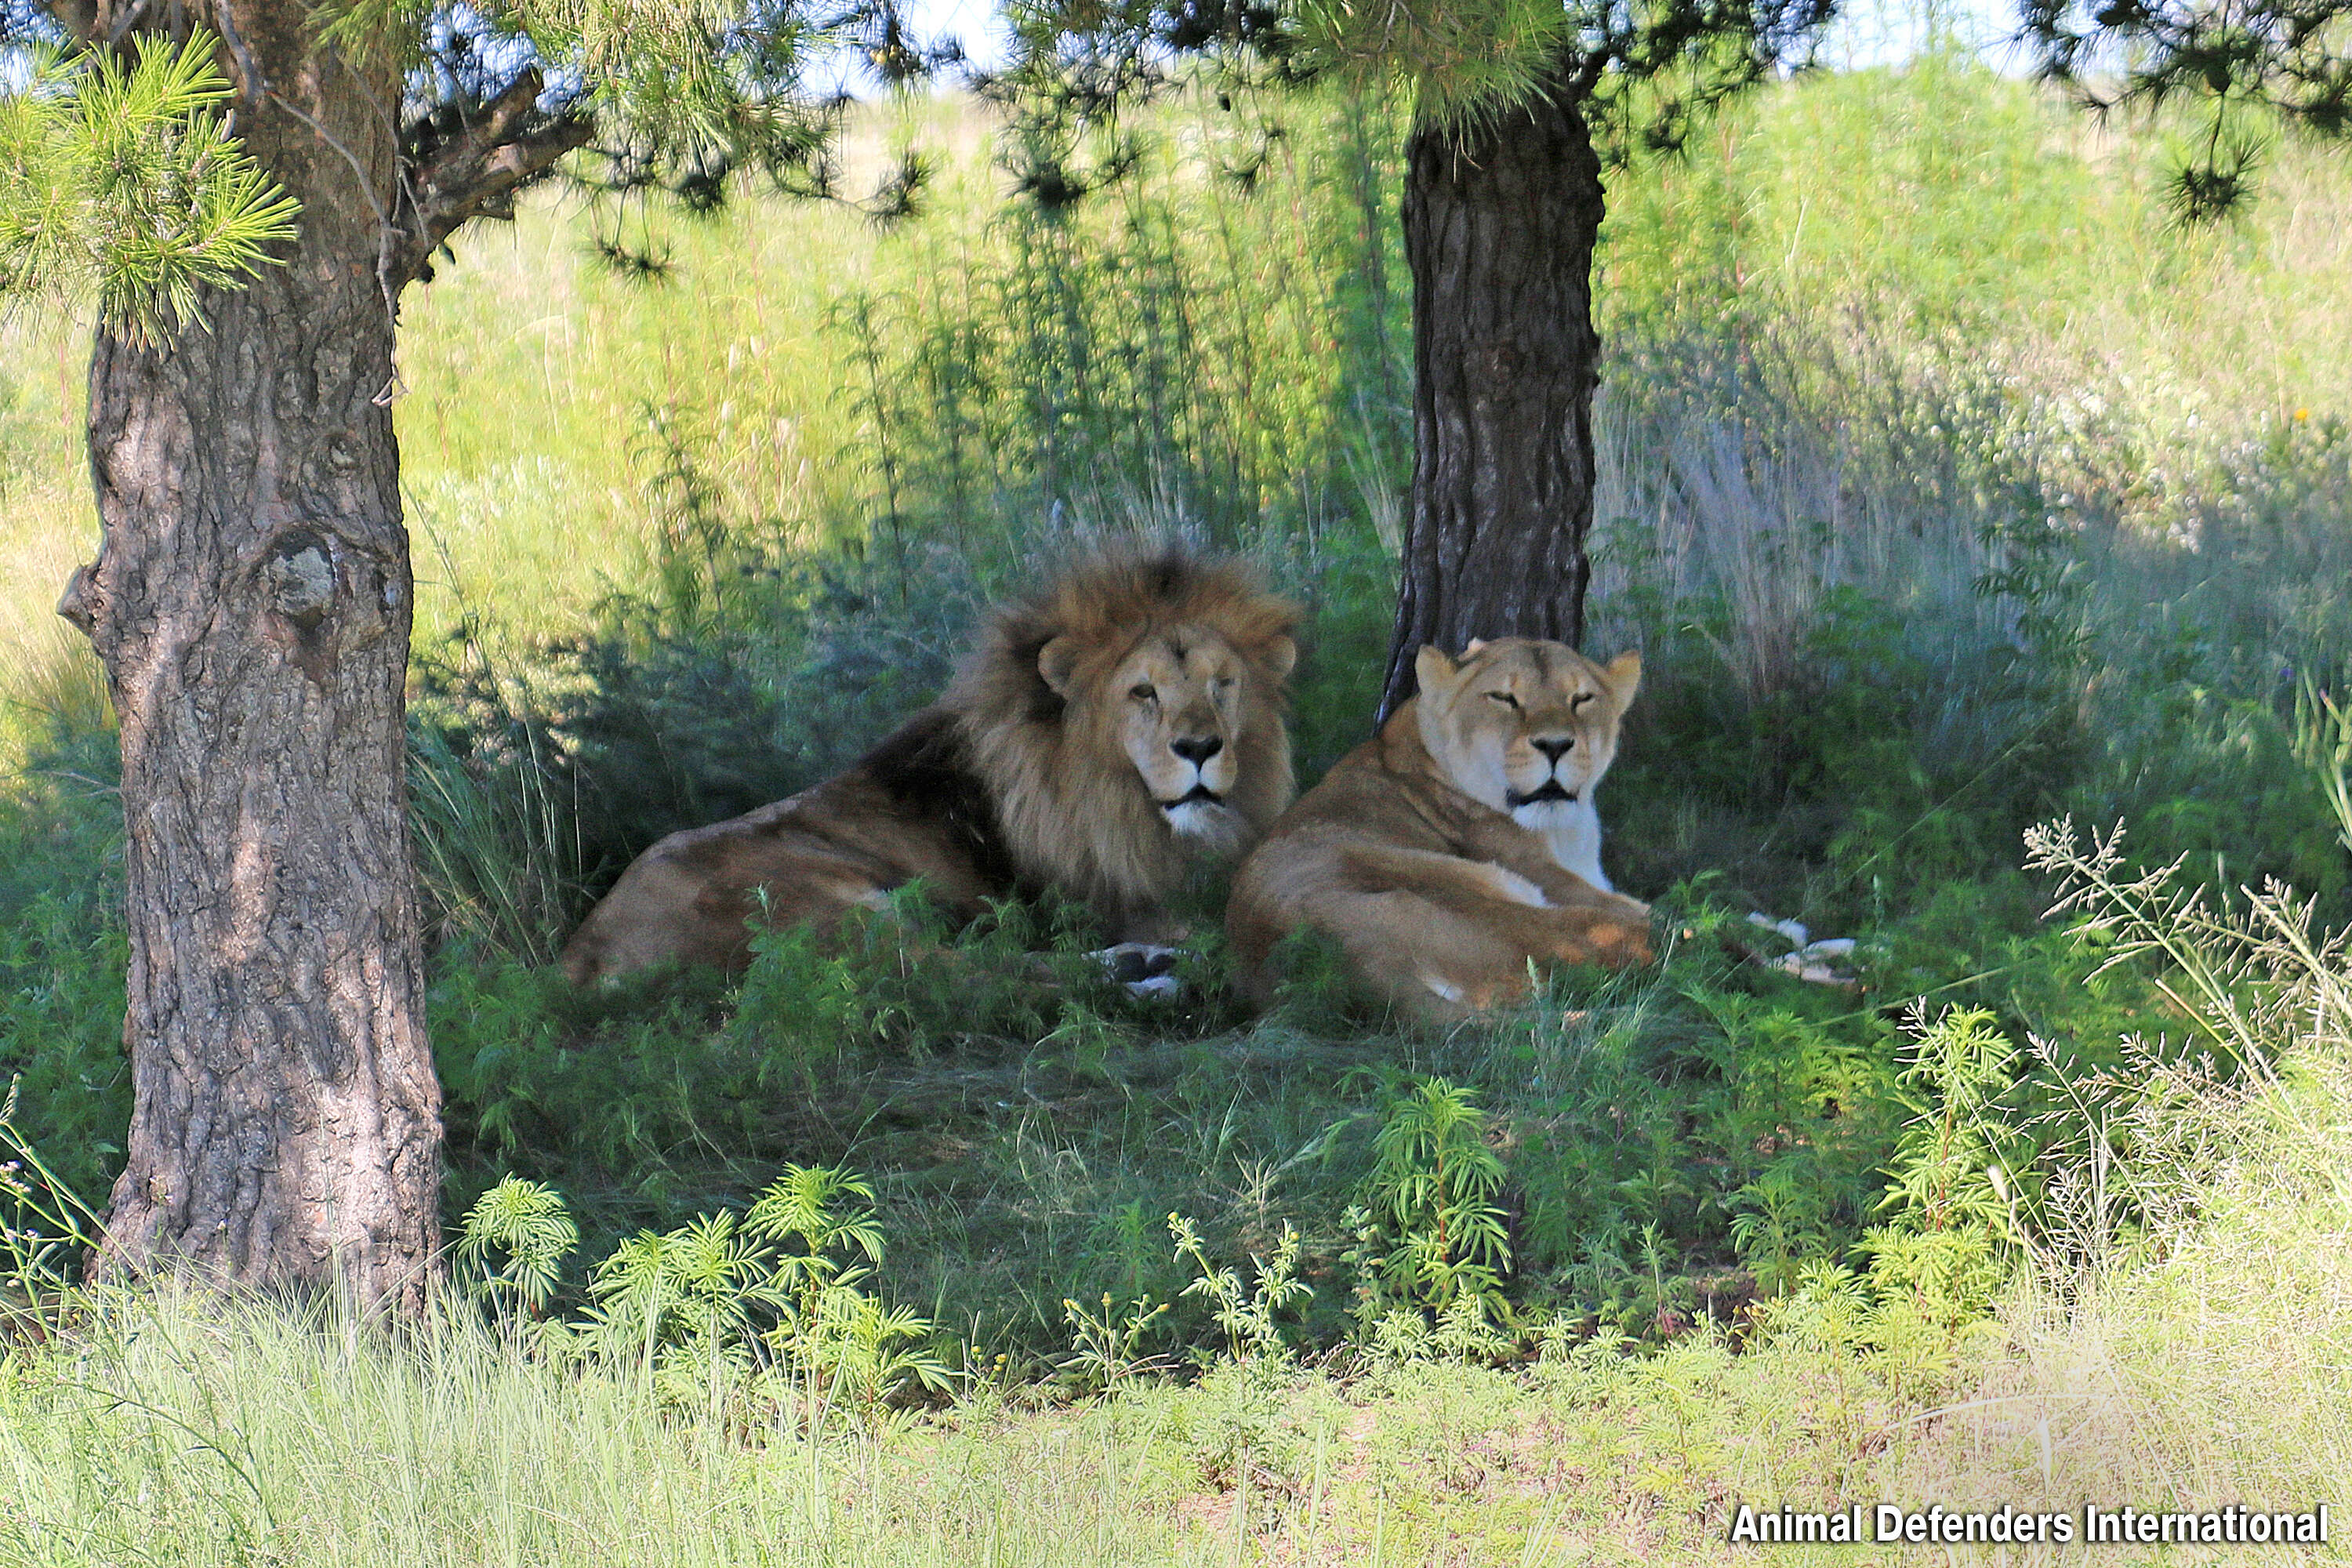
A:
{"x": 250, "y": 602}
{"x": 1500, "y": 215}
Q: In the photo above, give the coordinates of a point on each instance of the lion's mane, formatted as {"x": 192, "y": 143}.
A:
{"x": 1063, "y": 791}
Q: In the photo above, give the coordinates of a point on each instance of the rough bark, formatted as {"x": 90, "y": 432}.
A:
{"x": 250, "y": 602}
{"x": 1500, "y": 215}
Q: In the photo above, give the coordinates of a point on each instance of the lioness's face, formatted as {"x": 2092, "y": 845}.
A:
{"x": 1176, "y": 703}
{"x": 1526, "y": 727}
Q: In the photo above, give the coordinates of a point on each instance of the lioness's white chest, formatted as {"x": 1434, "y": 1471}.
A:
{"x": 1573, "y": 830}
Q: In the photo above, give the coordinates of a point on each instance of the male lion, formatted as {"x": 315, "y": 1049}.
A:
{"x": 1462, "y": 842}
{"x": 1126, "y": 719}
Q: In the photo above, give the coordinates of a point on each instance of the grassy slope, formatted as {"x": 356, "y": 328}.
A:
{"x": 191, "y": 1438}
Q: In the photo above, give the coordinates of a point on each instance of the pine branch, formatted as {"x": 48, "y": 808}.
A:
{"x": 477, "y": 173}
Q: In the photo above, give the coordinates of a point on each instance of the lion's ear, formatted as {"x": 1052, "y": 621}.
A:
{"x": 1057, "y": 665}
{"x": 1281, "y": 656}
{"x": 1432, "y": 669}
{"x": 1624, "y": 676}
{"x": 1475, "y": 644}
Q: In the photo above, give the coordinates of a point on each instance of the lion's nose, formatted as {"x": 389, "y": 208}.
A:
{"x": 1553, "y": 746}
{"x": 1197, "y": 750}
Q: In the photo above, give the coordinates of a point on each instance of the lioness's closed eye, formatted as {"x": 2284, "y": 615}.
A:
{"x": 1461, "y": 844}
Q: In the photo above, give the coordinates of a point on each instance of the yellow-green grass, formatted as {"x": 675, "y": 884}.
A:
{"x": 163, "y": 1429}
{"x": 1945, "y": 200}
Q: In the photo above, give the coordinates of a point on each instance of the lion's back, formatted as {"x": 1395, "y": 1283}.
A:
{"x": 903, "y": 811}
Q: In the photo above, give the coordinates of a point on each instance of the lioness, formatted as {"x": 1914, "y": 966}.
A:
{"x": 1125, "y": 720}
{"x": 1462, "y": 841}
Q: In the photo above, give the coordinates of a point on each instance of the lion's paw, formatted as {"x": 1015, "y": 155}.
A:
{"x": 1145, "y": 968}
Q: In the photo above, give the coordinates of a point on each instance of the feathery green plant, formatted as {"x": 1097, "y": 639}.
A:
{"x": 1946, "y": 1161}
{"x": 1431, "y": 1230}
{"x": 1248, "y": 1314}
{"x": 1104, "y": 1345}
{"x": 1779, "y": 1223}
{"x": 694, "y": 1288}
{"x": 770, "y": 1306}
{"x": 527, "y": 1223}
{"x": 806, "y": 1213}
{"x": 1944, "y": 1251}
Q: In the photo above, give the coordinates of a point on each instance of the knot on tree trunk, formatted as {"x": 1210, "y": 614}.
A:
{"x": 79, "y": 605}
{"x": 300, "y": 578}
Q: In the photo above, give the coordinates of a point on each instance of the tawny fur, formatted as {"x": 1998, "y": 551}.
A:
{"x": 1037, "y": 770}
{"x": 1418, "y": 856}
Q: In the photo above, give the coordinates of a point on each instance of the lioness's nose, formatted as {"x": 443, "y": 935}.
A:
{"x": 1197, "y": 750}
{"x": 1553, "y": 746}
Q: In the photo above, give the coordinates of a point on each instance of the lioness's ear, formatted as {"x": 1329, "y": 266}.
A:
{"x": 1058, "y": 664}
{"x": 1432, "y": 669}
{"x": 1624, "y": 673}
{"x": 1281, "y": 656}
{"x": 1475, "y": 644}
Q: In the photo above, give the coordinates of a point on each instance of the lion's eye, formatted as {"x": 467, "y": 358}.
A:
{"x": 1504, "y": 697}
{"x": 1144, "y": 693}
{"x": 1578, "y": 701}
{"x": 1224, "y": 683}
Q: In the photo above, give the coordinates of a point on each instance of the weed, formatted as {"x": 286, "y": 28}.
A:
{"x": 529, "y": 1225}
{"x": 1431, "y": 1232}
{"x": 1250, "y": 1314}
{"x": 1105, "y": 1343}
{"x": 50, "y": 1225}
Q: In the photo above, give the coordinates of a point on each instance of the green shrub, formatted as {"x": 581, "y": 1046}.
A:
{"x": 1430, "y": 1230}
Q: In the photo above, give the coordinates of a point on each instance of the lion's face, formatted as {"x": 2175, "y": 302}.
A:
{"x": 1524, "y": 726}
{"x": 1176, "y": 703}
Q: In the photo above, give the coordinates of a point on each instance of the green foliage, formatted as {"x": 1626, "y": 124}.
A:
{"x": 1663, "y": 1108}
{"x": 2323, "y": 737}
{"x": 1778, "y": 1224}
{"x": 1945, "y": 1247}
{"x": 804, "y": 1209}
{"x": 1467, "y": 58}
{"x": 1105, "y": 1346}
{"x": 527, "y": 1223}
{"x": 498, "y": 856}
{"x": 681, "y": 1302}
{"x": 2284, "y": 58}
{"x": 48, "y": 1227}
{"x": 728, "y": 1314}
{"x": 1945, "y": 1167}
{"x": 2246, "y": 968}
{"x": 1432, "y": 1231}
{"x": 62, "y": 952}
{"x": 1249, "y": 1314}
{"x": 889, "y": 981}
{"x": 122, "y": 183}
{"x": 841, "y": 1345}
